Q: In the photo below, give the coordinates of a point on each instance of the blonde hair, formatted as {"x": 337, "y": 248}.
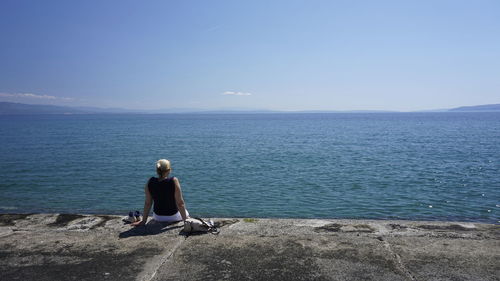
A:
{"x": 162, "y": 167}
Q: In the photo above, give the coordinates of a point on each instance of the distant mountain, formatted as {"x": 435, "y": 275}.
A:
{"x": 206, "y": 111}
{"x": 346, "y": 111}
{"x": 12, "y": 108}
{"x": 105, "y": 110}
{"x": 485, "y": 107}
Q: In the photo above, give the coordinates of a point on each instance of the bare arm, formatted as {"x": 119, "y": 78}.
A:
{"x": 181, "y": 206}
{"x": 148, "y": 201}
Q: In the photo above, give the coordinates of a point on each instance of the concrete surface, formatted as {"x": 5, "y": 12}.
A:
{"x": 102, "y": 247}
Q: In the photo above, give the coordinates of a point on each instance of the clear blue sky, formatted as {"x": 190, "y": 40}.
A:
{"x": 285, "y": 55}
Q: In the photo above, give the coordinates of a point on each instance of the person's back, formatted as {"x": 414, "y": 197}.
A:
{"x": 166, "y": 195}
{"x": 163, "y": 193}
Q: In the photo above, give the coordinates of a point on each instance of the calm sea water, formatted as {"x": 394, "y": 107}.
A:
{"x": 432, "y": 166}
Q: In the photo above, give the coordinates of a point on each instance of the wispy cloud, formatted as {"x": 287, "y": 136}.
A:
{"x": 231, "y": 93}
{"x": 34, "y": 96}
{"x": 212, "y": 28}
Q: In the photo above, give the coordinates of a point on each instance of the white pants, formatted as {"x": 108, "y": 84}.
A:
{"x": 173, "y": 218}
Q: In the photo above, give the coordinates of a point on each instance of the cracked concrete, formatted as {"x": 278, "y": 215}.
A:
{"x": 397, "y": 257}
{"x": 102, "y": 247}
{"x": 152, "y": 268}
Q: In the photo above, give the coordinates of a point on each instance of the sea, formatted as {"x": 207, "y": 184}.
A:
{"x": 409, "y": 166}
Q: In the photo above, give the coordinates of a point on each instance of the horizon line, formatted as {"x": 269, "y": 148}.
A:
{"x": 89, "y": 109}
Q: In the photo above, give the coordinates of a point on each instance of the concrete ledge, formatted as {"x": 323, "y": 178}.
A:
{"x": 102, "y": 247}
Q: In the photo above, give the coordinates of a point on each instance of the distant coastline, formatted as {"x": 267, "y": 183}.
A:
{"x": 11, "y": 108}
{"x": 486, "y": 107}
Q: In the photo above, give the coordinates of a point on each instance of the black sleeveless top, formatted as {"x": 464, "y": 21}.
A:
{"x": 163, "y": 193}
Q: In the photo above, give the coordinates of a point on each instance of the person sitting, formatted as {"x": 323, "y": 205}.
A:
{"x": 165, "y": 194}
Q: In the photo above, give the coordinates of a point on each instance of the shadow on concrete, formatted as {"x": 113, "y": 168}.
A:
{"x": 151, "y": 228}
{"x": 197, "y": 233}
{"x": 154, "y": 227}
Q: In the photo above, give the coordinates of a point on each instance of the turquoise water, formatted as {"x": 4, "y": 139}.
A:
{"x": 383, "y": 165}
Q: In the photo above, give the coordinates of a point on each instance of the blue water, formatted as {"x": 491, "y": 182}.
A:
{"x": 382, "y": 165}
